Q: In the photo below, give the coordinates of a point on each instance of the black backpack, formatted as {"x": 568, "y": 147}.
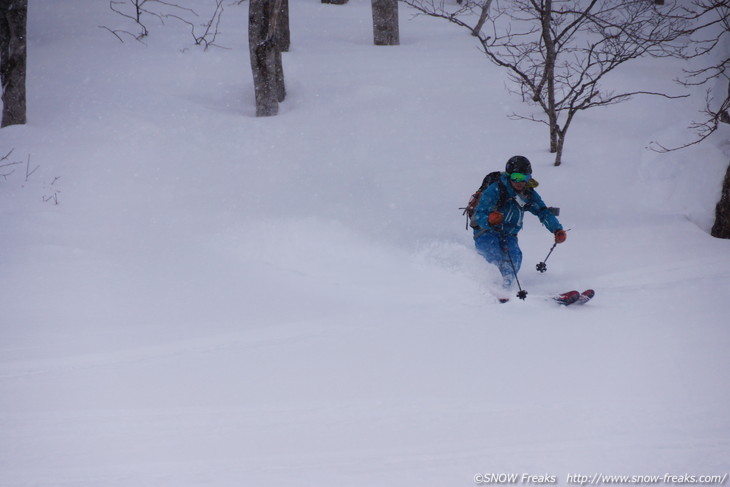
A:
{"x": 489, "y": 179}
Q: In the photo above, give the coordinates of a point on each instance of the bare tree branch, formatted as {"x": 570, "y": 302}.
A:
{"x": 557, "y": 53}
{"x": 136, "y": 10}
{"x": 710, "y": 20}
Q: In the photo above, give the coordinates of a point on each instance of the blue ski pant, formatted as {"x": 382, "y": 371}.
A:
{"x": 494, "y": 247}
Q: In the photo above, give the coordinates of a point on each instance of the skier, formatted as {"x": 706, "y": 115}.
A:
{"x": 498, "y": 218}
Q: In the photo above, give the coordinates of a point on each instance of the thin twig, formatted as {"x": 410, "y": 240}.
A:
{"x": 28, "y": 172}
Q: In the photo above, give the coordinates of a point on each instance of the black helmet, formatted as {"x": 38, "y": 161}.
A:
{"x": 518, "y": 164}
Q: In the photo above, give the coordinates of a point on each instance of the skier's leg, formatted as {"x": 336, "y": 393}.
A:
{"x": 489, "y": 246}
{"x": 512, "y": 260}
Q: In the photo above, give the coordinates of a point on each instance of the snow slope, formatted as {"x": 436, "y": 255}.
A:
{"x": 217, "y": 299}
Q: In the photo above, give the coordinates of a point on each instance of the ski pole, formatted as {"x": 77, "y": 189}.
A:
{"x": 542, "y": 266}
{"x": 522, "y": 294}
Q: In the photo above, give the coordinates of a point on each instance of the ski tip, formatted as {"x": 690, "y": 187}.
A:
{"x": 586, "y": 296}
{"x": 568, "y": 298}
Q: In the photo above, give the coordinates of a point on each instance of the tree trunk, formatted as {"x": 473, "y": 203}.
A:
{"x": 268, "y": 72}
{"x": 385, "y": 22}
{"x": 549, "y": 78}
{"x": 13, "y": 20}
{"x": 284, "y": 34}
{"x": 721, "y": 228}
{"x": 559, "y": 144}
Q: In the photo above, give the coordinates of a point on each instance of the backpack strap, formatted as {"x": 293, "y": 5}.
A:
{"x": 503, "y": 198}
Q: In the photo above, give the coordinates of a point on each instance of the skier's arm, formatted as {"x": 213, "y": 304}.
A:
{"x": 538, "y": 208}
{"x": 487, "y": 204}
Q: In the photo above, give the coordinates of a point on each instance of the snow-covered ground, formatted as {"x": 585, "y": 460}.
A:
{"x": 222, "y": 300}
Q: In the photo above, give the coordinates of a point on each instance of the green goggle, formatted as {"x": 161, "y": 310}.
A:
{"x": 519, "y": 177}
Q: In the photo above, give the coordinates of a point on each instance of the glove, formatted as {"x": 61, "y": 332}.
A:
{"x": 560, "y": 236}
{"x": 495, "y": 218}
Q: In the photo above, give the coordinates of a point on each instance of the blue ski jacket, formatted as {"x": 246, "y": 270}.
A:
{"x": 513, "y": 209}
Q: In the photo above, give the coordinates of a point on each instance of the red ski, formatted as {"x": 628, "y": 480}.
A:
{"x": 573, "y": 297}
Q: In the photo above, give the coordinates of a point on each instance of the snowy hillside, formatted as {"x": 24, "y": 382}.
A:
{"x": 192, "y": 296}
